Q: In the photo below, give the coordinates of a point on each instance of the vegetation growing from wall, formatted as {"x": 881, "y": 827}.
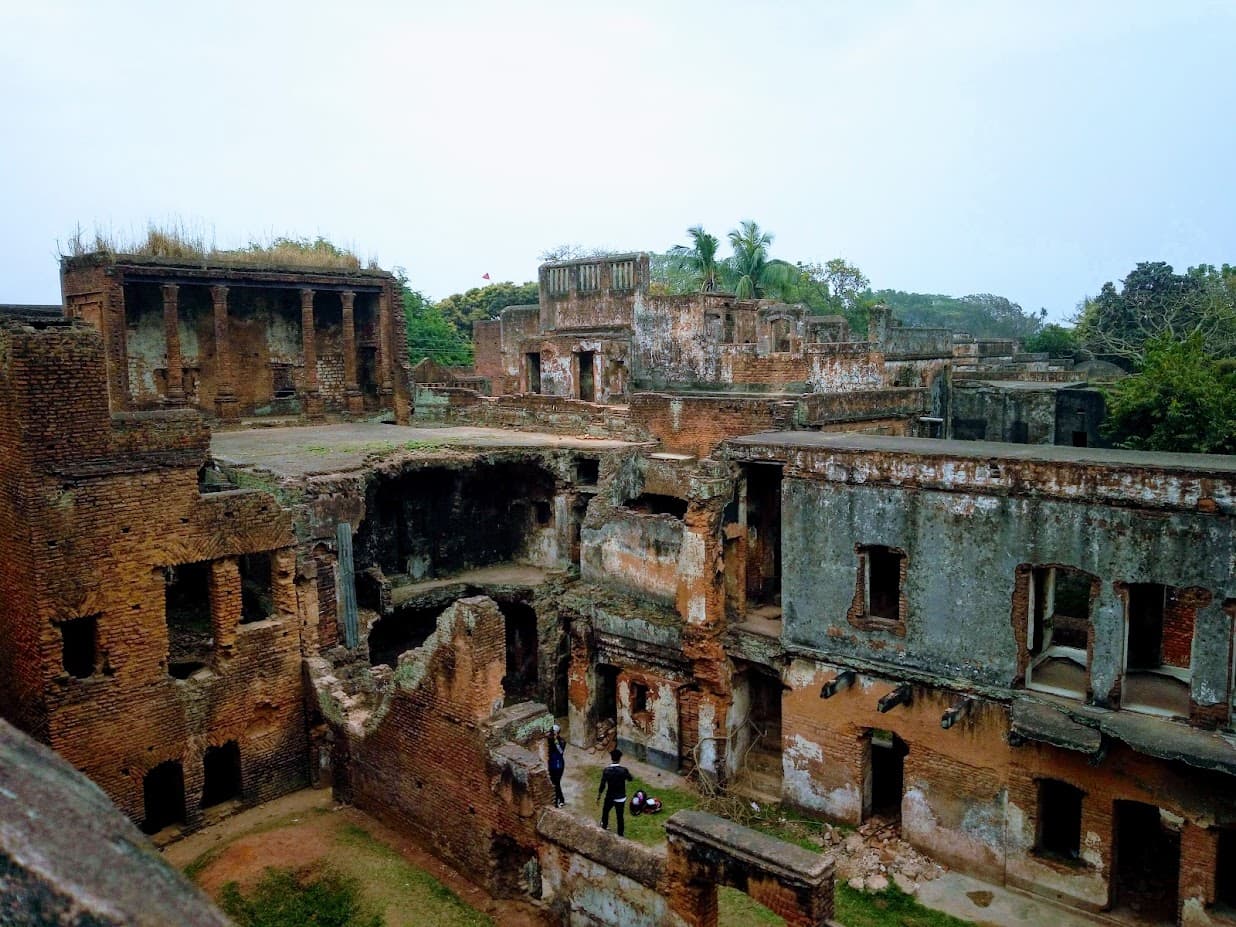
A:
{"x": 175, "y": 241}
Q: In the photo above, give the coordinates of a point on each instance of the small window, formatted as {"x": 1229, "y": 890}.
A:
{"x": 189, "y": 631}
{"x": 1059, "y": 632}
{"x": 543, "y": 512}
{"x": 883, "y": 565}
{"x": 1059, "y": 820}
{"x": 80, "y": 646}
{"x": 587, "y": 471}
{"x": 1147, "y": 604}
{"x": 639, "y": 698}
{"x": 651, "y": 503}
{"x": 256, "y": 589}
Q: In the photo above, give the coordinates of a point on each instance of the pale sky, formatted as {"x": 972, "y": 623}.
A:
{"x": 1029, "y": 149}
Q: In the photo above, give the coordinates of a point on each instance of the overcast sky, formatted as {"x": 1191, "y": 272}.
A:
{"x": 1032, "y": 150}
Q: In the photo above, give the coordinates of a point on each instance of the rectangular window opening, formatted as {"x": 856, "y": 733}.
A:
{"x": 884, "y": 582}
{"x": 1158, "y": 650}
{"x": 1059, "y": 632}
{"x": 587, "y": 471}
{"x": 639, "y": 698}
{"x": 80, "y": 646}
{"x": 190, "y": 637}
{"x": 651, "y": 503}
{"x": 257, "y": 601}
{"x": 1059, "y": 820}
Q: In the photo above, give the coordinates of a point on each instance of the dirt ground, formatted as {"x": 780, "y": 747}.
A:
{"x": 307, "y": 830}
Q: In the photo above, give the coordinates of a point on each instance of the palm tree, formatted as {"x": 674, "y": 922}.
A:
{"x": 700, "y": 259}
{"x": 751, "y": 271}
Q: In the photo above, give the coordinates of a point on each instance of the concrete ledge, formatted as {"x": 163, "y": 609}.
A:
{"x": 636, "y": 862}
{"x": 785, "y": 862}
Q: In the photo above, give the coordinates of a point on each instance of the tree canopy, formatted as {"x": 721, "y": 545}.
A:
{"x": 1181, "y": 399}
{"x": 1155, "y": 303}
{"x": 485, "y": 302}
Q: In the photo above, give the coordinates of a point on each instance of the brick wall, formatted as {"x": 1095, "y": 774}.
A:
{"x": 427, "y": 766}
{"x": 105, "y": 507}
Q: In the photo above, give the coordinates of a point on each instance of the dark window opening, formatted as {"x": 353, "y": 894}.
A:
{"x": 1059, "y": 819}
{"x": 1019, "y": 433}
{"x": 579, "y": 511}
{"x": 163, "y": 793}
{"x": 257, "y": 601}
{"x": 406, "y": 629}
{"x": 1225, "y": 868}
{"x": 886, "y": 774}
{"x": 1081, "y": 439}
{"x": 587, "y": 471}
{"x": 543, "y": 512}
{"x": 1146, "y": 869}
{"x": 221, "y": 774}
{"x": 189, "y": 632}
{"x": 639, "y": 698}
{"x": 729, "y": 328}
{"x": 763, "y": 514}
{"x": 1147, "y": 603}
{"x": 884, "y": 582}
{"x": 520, "y": 682}
{"x": 533, "y": 363}
{"x": 80, "y": 646}
{"x": 587, "y": 376}
{"x": 651, "y": 503}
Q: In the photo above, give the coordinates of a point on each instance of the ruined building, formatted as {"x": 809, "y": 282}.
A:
{"x": 721, "y": 534}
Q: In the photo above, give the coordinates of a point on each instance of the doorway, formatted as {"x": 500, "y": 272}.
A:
{"x": 885, "y": 780}
{"x": 763, "y": 517}
{"x": 1146, "y": 869}
{"x": 606, "y": 702}
{"x": 587, "y": 376}
{"x": 163, "y": 793}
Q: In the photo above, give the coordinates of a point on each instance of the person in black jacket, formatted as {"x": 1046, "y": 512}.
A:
{"x": 557, "y": 764}
{"x": 614, "y": 781}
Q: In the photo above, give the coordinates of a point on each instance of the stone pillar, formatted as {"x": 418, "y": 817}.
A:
{"x": 171, "y": 330}
{"x": 309, "y": 351}
{"x": 225, "y": 604}
{"x": 384, "y": 345}
{"x": 225, "y": 383}
{"x": 351, "y": 389}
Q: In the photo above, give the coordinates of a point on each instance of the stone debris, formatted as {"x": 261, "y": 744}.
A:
{"x": 873, "y": 856}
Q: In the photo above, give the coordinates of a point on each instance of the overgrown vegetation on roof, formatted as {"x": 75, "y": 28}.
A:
{"x": 177, "y": 242}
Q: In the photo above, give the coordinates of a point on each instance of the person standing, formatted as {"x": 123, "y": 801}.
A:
{"x": 614, "y": 779}
{"x": 557, "y": 764}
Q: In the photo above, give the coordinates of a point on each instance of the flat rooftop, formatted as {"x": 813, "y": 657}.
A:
{"x": 787, "y": 442}
{"x": 316, "y": 449}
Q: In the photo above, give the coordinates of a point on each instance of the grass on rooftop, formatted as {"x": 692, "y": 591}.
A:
{"x": 176, "y": 241}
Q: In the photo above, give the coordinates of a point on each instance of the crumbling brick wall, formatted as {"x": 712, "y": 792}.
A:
{"x": 106, "y": 506}
{"x": 433, "y": 764}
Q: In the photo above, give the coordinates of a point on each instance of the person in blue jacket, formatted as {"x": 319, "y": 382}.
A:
{"x": 557, "y": 764}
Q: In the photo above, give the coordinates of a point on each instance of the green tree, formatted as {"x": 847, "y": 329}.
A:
{"x": 1154, "y": 302}
{"x": 1181, "y": 400}
{"x": 699, "y": 259}
{"x": 1053, "y": 339}
{"x": 750, "y": 271}
{"x": 983, "y": 315}
{"x": 485, "y": 302}
{"x": 429, "y": 333}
